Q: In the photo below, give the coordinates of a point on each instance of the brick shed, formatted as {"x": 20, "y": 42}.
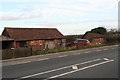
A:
{"x": 95, "y": 38}
{"x": 6, "y": 42}
{"x": 37, "y": 38}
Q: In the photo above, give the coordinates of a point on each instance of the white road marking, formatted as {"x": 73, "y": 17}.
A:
{"x": 55, "y": 70}
{"x": 78, "y": 69}
{"x": 96, "y": 60}
{"x": 91, "y": 61}
{"x": 86, "y": 62}
{"x": 106, "y": 59}
{"x": 74, "y": 67}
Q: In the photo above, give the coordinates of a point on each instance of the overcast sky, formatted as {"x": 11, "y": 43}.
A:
{"x": 68, "y": 16}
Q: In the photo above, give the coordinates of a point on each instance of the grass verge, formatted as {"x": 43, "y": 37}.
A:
{"x": 73, "y": 49}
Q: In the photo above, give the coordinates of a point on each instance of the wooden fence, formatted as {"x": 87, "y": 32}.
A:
{"x": 16, "y": 53}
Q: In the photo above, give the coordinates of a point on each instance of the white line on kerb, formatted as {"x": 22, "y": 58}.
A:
{"x": 24, "y": 62}
{"x": 78, "y": 69}
{"x": 31, "y": 61}
{"x": 55, "y": 69}
{"x": 105, "y": 49}
{"x": 98, "y": 50}
{"x": 62, "y": 56}
{"x": 75, "y": 54}
{"x": 43, "y": 59}
{"x": 78, "y": 53}
{"x": 88, "y": 52}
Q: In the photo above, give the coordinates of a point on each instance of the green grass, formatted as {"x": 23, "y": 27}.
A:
{"x": 64, "y": 50}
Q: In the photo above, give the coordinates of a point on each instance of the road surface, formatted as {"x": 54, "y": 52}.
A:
{"x": 100, "y": 63}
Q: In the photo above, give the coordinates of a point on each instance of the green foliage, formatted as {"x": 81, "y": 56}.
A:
{"x": 113, "y": 36}
{"x": 71, "y": 38}
{"x": 100, "y": 30}
{"x": 85, "y": 34}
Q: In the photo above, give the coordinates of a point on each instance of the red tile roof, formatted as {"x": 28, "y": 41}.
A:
{"x": 32, "y": 33}
{"x": 93, "y": 35}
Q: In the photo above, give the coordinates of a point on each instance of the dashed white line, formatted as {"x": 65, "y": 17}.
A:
{"x": 90, "y": 61}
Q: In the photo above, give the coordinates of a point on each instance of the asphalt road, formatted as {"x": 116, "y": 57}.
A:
{"x": 100, "y": 63}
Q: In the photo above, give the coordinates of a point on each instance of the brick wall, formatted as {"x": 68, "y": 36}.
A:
{"x": 36, "y": 45}
{"x": 47, "y": 44}
{"x": 98, "y": 41}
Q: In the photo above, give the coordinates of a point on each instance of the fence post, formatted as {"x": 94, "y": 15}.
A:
{"x": 31, "y": 50}
{"x": 13, "y": 56}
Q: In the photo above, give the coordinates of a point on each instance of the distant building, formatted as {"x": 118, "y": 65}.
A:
{"x": 37, "y": 38}
{"x": 95, "y": 38}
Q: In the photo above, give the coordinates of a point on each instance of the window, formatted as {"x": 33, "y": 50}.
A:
{"x": 87, "y": 40}
{"x": 22, "y": 44}
{"x": 75, "y": 41}
{"x": 80, "y": 40}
